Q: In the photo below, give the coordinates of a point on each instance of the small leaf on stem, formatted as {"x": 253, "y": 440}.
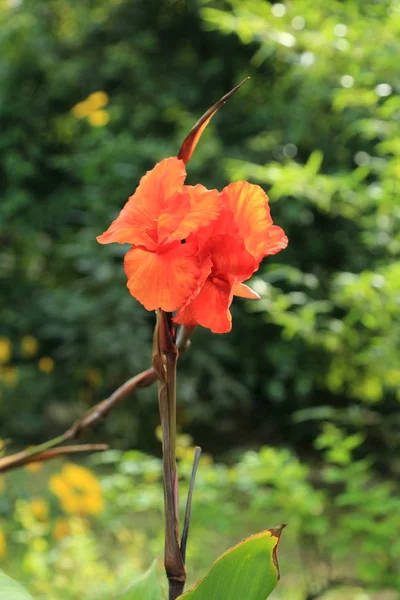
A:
{"x": 188, "y": 511}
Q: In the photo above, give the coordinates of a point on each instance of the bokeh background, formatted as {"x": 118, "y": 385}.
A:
{"x": 297, "y": 409}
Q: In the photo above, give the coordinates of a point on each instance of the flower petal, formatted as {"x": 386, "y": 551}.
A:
{"x": 229, "y": 257}
{"x": 171, "y": 218}
{"x": 244, "y": 291}
{"x": 210, "y": 308}
{"x": 162, "y": 280}
{"x": 249, "y": 206}
{"x": 277, "y": 239}
{"x": 204, "y": 207}
{"x": 205, "y": 271}
{"x": 138, "y": 220}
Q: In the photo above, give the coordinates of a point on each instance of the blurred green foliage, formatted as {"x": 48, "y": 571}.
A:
{"x": 144, "y": 588}
{"x": 343, "y": 520}
{"x": 94, "y": 93}
{"x": 89, "y": 102}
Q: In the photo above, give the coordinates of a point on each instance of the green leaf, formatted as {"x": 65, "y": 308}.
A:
{"x": 11, "y": 590}
{"x": 247, "y": 571}
{"x": 145, "y": 588}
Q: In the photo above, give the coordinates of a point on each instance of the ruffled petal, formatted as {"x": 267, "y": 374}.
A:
{"x": 277, "y": 239}
{"x": 230, "y": 257}
{"x": 210, "y": 308}
{"x": 162, "y": 280}
{"x": 162, "y": 182}
{"x": 249, "y": 206}
{"x": 244, "y": 291}
{"x": 138, "y": 221}
{"x": 171, "y": 218}
{"x": 203, "y": 207}
{"x": 124, "y": 230}
{"x": 205, "y": 272}
{"x": 224, "y": 224}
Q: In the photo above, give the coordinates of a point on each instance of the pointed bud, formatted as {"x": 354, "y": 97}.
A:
{"x": 190, "y": 142}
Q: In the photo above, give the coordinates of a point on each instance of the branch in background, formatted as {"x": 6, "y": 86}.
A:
{"x": 73, "y": 449}
{"x": 89, "y": 419}
{"x": 101, "y": 410}
{"x": 55, "y": 452}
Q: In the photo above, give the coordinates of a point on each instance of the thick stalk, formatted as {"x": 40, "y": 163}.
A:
{"x": 165, "y": 356}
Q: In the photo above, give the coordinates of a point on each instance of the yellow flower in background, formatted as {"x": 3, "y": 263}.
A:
{"x": 3, "y": 544}
{"x": 61, "y": 528}
{"x": 39, "y": 545}
{"x": 184, "y": 447}
{"x": 46, "y": 364}
{"x": 151, "y": 476}
{"x": 10, "y": 376}
{"x": 23, "y": 514}
{"x": 78, "y": 490}
{"x": 99, "y": 118}
{"x": 207, "y": 459}
{"x": 29, "y": 345}
{"x": 90, "y": 108}
{"x": 5, "y": 350}
{"x": 158, "y": 433}
{"x": 39, "y": 509}
{"x": 81, "y": 110}
{"x": 34, "y": 467}
{"x": 184, "y": 453}
{"x": 31, "y": 512}
{"x": 98, "y": 100}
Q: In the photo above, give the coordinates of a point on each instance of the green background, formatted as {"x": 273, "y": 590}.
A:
{"x": 317, "y": 358}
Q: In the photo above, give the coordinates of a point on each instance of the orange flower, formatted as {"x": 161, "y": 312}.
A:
{"x": 193, "y": 248}
{"x": 235, "y": 244}
{"x": 162, "y": 272}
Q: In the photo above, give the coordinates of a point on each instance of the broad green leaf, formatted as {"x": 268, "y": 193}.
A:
{"x": 248, "y": 571}
{"x": 145, "y": 588}
{"x": 11, "y": 590}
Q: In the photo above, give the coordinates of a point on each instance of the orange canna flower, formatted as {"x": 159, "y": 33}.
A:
{"x": 235, "y": 244}
{"x": 193, "y": 248}
{"x": 162, "y": 271}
